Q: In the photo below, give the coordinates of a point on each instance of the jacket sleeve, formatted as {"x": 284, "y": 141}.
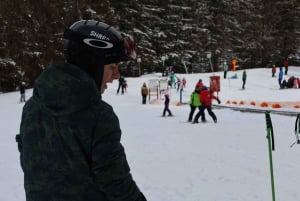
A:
{"x": 109, "y": 164}
{"x": 214, "y": 97}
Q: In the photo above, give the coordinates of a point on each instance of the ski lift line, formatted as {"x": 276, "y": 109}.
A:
{"x": 286, "y": 113}
{"x": 256, "y": 110}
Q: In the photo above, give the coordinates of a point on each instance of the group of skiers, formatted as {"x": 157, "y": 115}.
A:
{"x": 234, "y": 76}
{"x": 200, "y": 98}
{"x": 291, "y": 82}
{"x": 176, "y": 82}
{"x": 145, "y": 92}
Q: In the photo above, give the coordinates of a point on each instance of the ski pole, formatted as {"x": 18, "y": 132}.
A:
{"x": 180, "y": 93}
{"x": 297, "y": 128}
{"x": 270, "y": 137}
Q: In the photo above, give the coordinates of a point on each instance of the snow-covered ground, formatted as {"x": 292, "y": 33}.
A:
{"x": 172, "y": 160}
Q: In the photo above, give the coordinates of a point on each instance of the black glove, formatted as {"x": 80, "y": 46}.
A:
{"x": 218, "y": 101}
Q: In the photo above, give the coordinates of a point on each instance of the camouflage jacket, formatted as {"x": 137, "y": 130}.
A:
{"x": 70, "y": 142}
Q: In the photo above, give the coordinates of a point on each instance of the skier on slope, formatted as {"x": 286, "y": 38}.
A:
{"x": 206, "y": 97}
{"x": 195, "y": 103}
{"x": 280, "y": 77}
{"x": 166, "y": 106}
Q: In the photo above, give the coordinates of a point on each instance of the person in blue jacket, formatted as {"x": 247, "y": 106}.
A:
{"x": 280, "y": 77}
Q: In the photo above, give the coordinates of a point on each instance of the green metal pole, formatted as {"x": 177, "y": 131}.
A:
{"x": 269, "y": 135}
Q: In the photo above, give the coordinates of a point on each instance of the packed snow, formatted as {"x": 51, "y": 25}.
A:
{"x": 173, "y": 160}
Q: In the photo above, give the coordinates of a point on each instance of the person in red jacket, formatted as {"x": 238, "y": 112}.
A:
{"x": 273, "y": 70}
{"x": 206, "y": 97}
{"x": 199, "y": 84}
{"x": 285, "y": 63}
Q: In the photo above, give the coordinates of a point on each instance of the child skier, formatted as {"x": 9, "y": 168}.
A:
{"x": 166, "y": 108}
{"x": 194, "y": 103}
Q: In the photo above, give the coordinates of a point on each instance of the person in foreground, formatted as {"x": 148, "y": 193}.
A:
{"x": 69, "y": 137}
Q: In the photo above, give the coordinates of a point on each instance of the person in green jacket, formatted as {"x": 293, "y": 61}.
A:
{"x": 172, "y": 80}
{"x": 244, "y": 77}
{"x": 194, "y": 103}
{"x": 69, "y": 139}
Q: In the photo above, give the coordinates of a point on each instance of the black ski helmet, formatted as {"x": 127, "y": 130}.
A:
{"x": 90, "y": 45}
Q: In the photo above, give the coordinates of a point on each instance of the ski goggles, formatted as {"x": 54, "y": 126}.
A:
{"x": 129, "y": 47}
